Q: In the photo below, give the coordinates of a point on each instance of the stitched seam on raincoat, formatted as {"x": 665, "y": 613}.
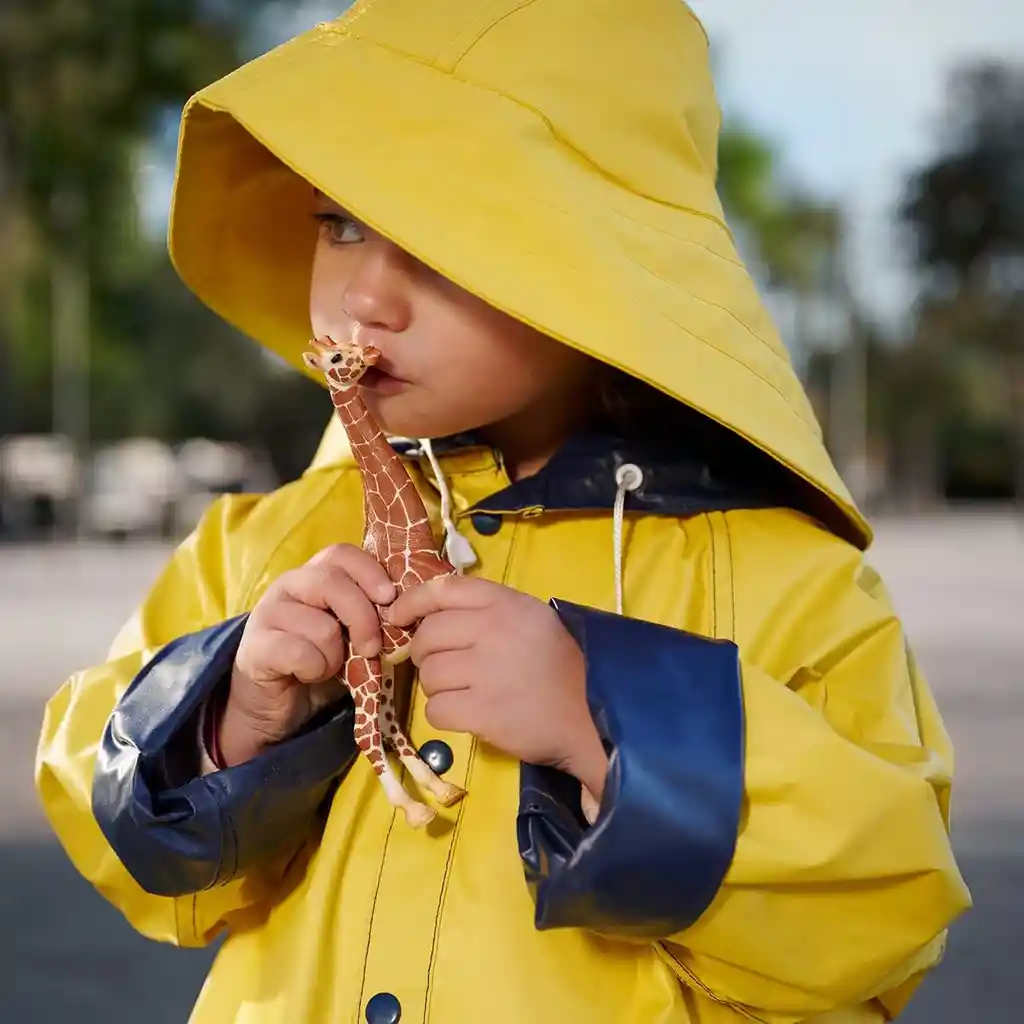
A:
{"x": 678, "y": 239}
{"x": 746, "y": 366}
{"x": 607, "y": 175}
{"x": 373, "y": 907}
{"x": 723, "y": 580}
{"x": 696, "y": 983}
{"x": 228, "y": 859}
{"x": 714, "y": 575}
{"x": 779, "y": 353}
{"x": 443, "y": 895}
{"x": 732, "y": 577}
{"x": 487, "y": 29}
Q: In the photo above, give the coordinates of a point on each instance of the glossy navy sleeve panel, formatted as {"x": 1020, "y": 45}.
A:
{"x": 176, "y": 831}
{"x": 669, "y": 707}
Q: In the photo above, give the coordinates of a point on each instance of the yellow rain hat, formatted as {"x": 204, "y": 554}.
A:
{"x": 557, "y": 158}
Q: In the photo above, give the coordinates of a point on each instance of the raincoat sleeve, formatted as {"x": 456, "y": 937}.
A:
{"x": 776, "y": 821}
{"x": 118, "y": 762}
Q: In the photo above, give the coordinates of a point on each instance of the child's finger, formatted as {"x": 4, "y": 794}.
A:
{"x": 447, "y": 672}
{"x": 320, "y": 628}
{"x": 444, "y": 631}
{"x": 445, "y": 593}
{"x": 451, "y": 711}
{"x": 334, "y": 590}
{"x": 279, "y": 654}
{"x": 362, "y": 567}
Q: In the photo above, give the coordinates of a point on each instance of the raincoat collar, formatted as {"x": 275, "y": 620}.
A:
{"x": 581, "y": 477}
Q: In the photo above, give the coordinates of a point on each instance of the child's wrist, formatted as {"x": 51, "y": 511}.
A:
{"x": 213, "y": 715}
{"x": 587, "y": 761}
{"x": 236, "y": 740}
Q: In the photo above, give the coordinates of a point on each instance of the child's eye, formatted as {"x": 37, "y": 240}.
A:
{"x": 339, "y": 230}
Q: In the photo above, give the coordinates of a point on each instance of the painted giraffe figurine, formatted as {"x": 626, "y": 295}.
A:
{"x": 398, "y": 534}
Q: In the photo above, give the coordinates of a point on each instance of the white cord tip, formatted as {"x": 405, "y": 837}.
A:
{"x": 459, "y": 551}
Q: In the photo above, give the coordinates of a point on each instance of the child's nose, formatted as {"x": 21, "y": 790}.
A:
{"x": 379, "y": 292}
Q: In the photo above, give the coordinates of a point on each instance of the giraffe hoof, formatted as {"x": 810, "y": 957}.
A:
{"x": 448, "y": 794}
{"x": 397, "y": 656}
{"x": 419, "y": 815}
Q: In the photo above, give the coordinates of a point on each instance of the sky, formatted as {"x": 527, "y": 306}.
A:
{"x": 851, "y": 91}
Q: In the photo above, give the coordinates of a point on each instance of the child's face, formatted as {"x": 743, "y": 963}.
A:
{"x": 449, "y": 361}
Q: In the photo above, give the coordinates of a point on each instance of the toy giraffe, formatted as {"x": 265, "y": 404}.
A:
{"x": 398, "y": 534}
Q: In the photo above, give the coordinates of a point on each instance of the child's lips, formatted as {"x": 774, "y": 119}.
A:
{"x": 379, "y": 379}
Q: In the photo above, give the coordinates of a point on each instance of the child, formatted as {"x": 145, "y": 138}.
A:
{"x": 515, "y": 202}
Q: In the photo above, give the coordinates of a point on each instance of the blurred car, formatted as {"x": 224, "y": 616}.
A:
{"x": 133, "y": 491}
{"x": 39, "y": 479}
{"x": 210, "y": 468}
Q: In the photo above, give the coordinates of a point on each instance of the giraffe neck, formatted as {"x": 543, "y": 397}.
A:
{"x": 385, "y": 476}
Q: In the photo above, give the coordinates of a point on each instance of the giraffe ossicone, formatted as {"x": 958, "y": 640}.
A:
{"x": 397, "y": 532}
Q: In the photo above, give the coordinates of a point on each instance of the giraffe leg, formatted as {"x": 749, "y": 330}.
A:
{"x": 447, "y": 794}
{"x": 416, "y": 814}
{"x": 396, "y": 644}
{"x": 363, "y": 677}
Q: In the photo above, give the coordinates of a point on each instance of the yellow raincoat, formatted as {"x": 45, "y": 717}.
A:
{"x": 772, "y": 843}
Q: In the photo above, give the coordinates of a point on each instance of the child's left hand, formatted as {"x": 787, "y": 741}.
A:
{"x": 499, "y": 664}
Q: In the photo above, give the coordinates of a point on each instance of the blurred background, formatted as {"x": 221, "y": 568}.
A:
{"x": 872, "y": 166}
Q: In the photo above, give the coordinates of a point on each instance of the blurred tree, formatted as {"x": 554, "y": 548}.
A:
{"x": 965, "y": 214}
{"x": 83, "y": 84}
{"x": 966, "y": 208}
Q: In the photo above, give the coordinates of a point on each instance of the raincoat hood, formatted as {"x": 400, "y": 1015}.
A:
{"x": 557, "y": 158}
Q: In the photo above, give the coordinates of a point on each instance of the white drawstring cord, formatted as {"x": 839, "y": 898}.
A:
{"x": 457, "y": 548}
{"x": 628, "y": 478}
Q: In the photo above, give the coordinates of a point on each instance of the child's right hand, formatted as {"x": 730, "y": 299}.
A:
{"x": 293, "y": 642}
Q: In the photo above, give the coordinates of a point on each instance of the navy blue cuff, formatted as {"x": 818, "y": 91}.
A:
{"x": 177, "y": 832}
{"x": 669, "y": 707}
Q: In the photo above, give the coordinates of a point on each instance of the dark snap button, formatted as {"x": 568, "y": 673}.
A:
{"x": 486, "y": 524}
{"x": 383, "y": 1008}
{"x": 438, "y": 756}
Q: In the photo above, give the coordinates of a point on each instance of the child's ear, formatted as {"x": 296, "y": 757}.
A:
{"x": 311, "y": 361}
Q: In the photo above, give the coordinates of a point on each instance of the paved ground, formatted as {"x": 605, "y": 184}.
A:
{"x": 65, "y": 955}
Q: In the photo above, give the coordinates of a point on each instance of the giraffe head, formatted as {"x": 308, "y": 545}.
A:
{"x": 343, "y": 363}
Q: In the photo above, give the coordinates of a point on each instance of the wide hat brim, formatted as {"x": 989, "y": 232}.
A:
{"x": 482, "y": 189}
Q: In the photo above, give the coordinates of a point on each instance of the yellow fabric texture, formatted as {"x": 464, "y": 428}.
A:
{"x": 556, "y": 157}
{"x": 843, "y": 881}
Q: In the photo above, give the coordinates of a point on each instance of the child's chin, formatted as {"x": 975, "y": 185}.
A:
{"x": 396, "y": 418}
